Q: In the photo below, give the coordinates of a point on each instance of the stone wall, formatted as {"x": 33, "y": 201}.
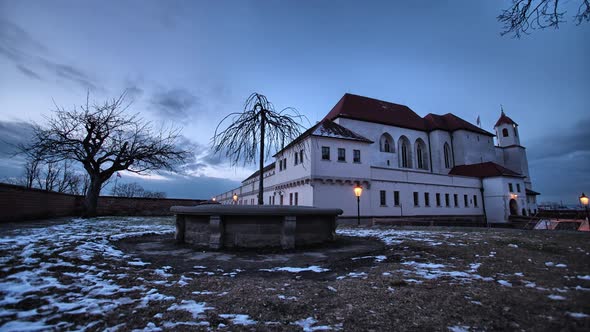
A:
{"x": 19, "y": 203}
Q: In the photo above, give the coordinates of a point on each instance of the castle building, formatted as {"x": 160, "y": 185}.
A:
{"x": 408, "y": 166}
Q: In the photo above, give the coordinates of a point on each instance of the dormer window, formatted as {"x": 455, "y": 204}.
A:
{"x": 505, "y": 132}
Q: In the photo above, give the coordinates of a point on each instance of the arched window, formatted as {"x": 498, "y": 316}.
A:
{"x": 405, "y": 152}
{"x": 421, "y": 154}
{"x": 386, "y": 143}
{"x": 505, "y": 132}
{"x": 447, "y": 155}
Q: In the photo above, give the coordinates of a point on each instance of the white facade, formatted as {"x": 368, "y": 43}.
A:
{"x": 421, "y": 171}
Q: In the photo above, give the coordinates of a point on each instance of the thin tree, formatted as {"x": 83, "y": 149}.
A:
{"x": 105, "y": 138}
{"x": 525, "y": 15}
{"x": 256, "y": 132}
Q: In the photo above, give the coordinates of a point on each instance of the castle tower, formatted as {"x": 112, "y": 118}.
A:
{"x": 513, "y": 154}
{"x": 506, "y": 131}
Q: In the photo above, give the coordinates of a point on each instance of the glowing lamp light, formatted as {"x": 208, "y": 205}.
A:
{"x": 358, "y": 190}
{"x": 213, "y": 199}
{"x": 235, "y": 198}
{"x": 513, "y": 196}
{"x": 584, "y": 200}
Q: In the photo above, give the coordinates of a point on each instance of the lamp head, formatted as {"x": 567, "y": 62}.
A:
{"x": 584, "y": 199}
{"x": 358, "y": 190}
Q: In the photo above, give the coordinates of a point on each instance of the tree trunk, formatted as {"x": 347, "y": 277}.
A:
{"x": 261, "y": 170}
{"x": 91, "y": 199}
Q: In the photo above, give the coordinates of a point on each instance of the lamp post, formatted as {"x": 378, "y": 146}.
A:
{"x": 235, "y": 198}
{"x": 584, "y": 201}
{"x": 358, "y": 190}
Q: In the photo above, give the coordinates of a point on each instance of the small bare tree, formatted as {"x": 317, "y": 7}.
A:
{"x": 525, "y": 15}
{"x": 256, "y": 131}
{"x": 104, "y": 138}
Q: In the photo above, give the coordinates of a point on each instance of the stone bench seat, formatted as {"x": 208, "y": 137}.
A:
{"x": 227, "y": 226}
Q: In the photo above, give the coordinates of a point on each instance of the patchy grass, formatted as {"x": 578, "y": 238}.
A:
{"x": 76, "y": 274}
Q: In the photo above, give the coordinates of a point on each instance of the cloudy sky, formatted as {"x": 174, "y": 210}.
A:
{"x": 188, "y": 63}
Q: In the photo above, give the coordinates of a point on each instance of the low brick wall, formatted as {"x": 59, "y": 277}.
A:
{"x": 19, "y": 203}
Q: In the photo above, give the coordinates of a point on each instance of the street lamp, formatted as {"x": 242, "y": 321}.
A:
{"x": 584, "y": 201}
{"x": 235, "y": 198}
{"x": 358, "y": 190}
{"x": 213, "y": 199}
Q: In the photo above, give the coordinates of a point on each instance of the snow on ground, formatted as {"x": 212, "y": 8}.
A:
{"x": 395, "y": 236}
{"x": 238, "y": 319}
{"x": 93, "y": 289}
{"x": 313, "y": 268}
{"x": 308, "y": 325}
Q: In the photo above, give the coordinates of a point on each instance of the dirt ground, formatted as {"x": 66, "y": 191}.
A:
{"x": 371, "y": 279}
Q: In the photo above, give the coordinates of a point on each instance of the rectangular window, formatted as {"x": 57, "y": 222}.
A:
{"x": 285, "y": 163}
{"x": 416, "y": 200}
{"x": 357, "y": 156}
{"x": 447, "y": 200}
{"x": 325, "y": 153}
{"x": 281, "y": 199}
{"x": 383, "y": 198}
{"x": 466, "y": 200}
{"x": 518, "y": 187}
{"x": 290, "y": 198}
{"x": 456, "y": 198}
{"x": 301, "y": 156}
{"x": 510, "y": 188}
{"x": 426, "y": 199}
{"x": 273, "y": 200}
{"x": 341, "y": 154}
{"x": 396, "y": 198}
{"x": 252, "y": 201}
{"x": 475, "y": 200}
{"x": 437, "y": 199}
{"x": 280, "y": 165}
{"x": 296, "y": 158}
{"x": 269, "y": 200}
{"x": 296, "y": 198}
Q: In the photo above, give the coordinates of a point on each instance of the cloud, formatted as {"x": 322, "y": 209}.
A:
{"x": 562, "y": 142}
{"x": 31, "y": 57}
{"x": 29, "y": 72}
{"x": 559, "y": 161}
{"x": 174, "y": 104}
{"x": 13, "y": 133}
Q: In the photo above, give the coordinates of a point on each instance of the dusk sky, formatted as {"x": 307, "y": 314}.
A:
{"x": 189, "y": 63}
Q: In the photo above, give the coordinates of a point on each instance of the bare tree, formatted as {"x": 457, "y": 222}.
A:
{"x": 256, "y": 131}
{"x": 525, "y": 15}
{"x": 105, "y": 138}
{"x": 31, "y": 172}
{"x": 134, "y": 189}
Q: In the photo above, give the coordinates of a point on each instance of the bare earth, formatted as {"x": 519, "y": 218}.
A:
{"x": 121, "y": 274}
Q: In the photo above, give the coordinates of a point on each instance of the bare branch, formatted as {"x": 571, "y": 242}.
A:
{"x": 526, "y": 15}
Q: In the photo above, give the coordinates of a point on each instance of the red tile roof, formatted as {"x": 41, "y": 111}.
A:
{"x": 265, "y": 169}
{"x": 483, "y": 170}
{"x": 451, "y": 122}
{"x": 328, "y": 128}
{"x": 373, "y": 110}
{"x": 504, "y": 119}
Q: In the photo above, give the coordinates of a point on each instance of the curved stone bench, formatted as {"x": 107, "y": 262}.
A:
{"x": 218, "y": 226}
